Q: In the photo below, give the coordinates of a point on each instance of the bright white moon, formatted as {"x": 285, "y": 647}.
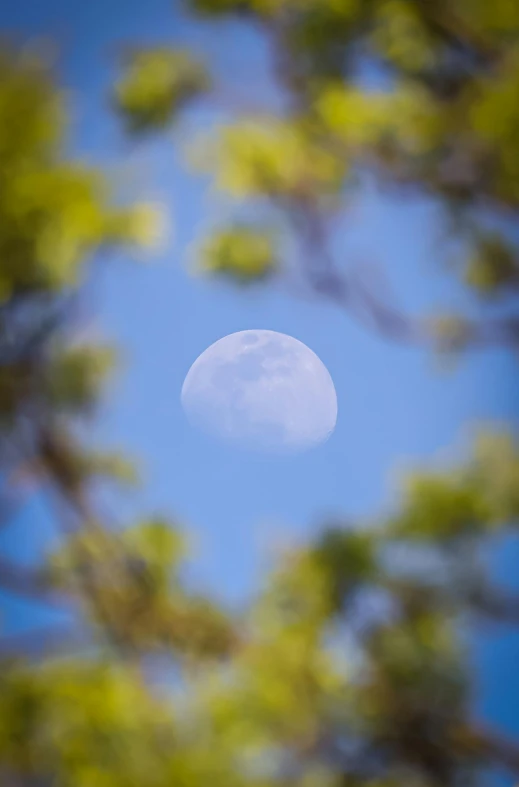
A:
{"x": 262, "y": 390}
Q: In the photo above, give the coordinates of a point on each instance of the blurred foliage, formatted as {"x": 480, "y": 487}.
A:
{"x": 351, "y": 666}
{"x": 420, "y": 97}
{"x": 53, "y": 214}
{"x": 244, "y": 253}
{"x": 156, "y": 85}
{"x": 493, "y": 266}
{"x": 75, "y": 374}
{"x": 273, "y": 159}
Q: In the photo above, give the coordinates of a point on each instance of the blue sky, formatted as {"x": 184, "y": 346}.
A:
{"x": 396, "y": 408}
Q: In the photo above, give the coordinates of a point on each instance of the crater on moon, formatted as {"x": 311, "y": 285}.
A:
{"x": 263, "y": 390}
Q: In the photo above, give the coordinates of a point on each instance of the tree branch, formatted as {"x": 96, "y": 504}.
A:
{"x": 495, "y": 747}
{"x": 28, "y": 583}
{"x": 496, "y": 606}
{"x": 43, "y": 642}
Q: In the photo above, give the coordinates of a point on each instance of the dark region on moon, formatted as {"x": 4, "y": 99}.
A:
{"x": 250, "y": 338}
{"x": 251, "y": 366}
{"x": 248, "y": 367}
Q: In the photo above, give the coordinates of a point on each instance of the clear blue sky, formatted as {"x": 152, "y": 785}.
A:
{"x": 395, "y": 407}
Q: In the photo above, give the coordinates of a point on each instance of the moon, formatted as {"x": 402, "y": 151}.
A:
{"x": 261, "y": 390}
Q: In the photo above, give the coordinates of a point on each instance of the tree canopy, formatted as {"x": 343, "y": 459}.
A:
{"x": 352, "y": 664}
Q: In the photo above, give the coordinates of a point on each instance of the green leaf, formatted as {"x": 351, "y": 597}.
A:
{"x": 245, "y": 253}
{"x": 493, "y": 265}
{"x": 75, "y": 377}
{"x": 441, "y": 508}
{"x": 157, "y": 542}
{"x": 271, "y": 158}
{"x": 157, "y": 85}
